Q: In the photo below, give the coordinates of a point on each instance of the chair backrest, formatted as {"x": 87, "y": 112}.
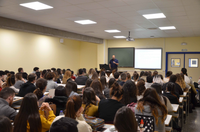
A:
{"x": 53, "y": 107}
{"x": 52, "y": 93}
{"x": 145, "y": 123}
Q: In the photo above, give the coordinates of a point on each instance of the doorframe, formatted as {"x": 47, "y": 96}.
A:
{"x": 167, "y": 53}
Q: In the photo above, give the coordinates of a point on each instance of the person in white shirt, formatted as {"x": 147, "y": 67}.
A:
{"x": 168, "y": 74}
{"x": 186, "y": 78}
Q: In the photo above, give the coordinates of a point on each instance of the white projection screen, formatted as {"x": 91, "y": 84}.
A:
{"x": 148, "y": 58}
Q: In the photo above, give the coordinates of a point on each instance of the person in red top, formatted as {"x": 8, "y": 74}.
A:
{"x": 73, "y": 77}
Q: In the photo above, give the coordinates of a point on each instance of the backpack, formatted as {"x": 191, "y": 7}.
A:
{"x": 145, "y": 123}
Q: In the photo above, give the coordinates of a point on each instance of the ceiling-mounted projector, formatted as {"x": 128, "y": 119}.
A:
{"x": 129, "y": 38}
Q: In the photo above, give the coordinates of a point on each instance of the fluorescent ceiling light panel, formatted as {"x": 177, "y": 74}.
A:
{"x": 154, "y": 16}
{"x": 167, "y": 28}
{"x": 85, "y": 22}
{"x": 36, "y": 5}
{"x": 112, "y": 31}
{"x": 119, "y": 36}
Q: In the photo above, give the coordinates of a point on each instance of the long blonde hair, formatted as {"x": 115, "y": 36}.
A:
{"x": 180, "y": 81}
{"x": 66, "y": 76}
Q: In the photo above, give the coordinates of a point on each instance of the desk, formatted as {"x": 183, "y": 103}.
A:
{"x": 175, "y": 107}
{"x": 46, "y": 93}
{"x": 78, "y": 86}
{"x": 17, "y": 98}
{"x": 181, "y": 100}
{"x": 184, "y": 94}
{"x": 168, "y": 120}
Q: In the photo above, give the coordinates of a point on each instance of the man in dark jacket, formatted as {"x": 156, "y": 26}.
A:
{"x": 6, "y": 99}
{"x": 81, "y": 79}
{"x": 29, "y": 86}
{"x": 178, "y": 89}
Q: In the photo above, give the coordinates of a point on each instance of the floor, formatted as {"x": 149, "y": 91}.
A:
{"x": 193, "y": 121}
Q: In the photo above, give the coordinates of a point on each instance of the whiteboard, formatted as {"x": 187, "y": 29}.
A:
{"x": 148, "y": 58}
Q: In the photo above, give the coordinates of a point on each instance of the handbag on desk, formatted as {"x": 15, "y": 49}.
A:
{"x": 95, "y": 123}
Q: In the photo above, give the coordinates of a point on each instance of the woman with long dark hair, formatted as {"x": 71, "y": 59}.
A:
{"x": 71, "y": 88}
{"x": 32, "y": 119}
{"x": 97, "y": 86}
{"x": 5, "y": 124}
{"x": 41, "y": 85}
{"x": 150, "y": 105}
{"x": 125, "y": 120}
{"x": 74, "y": 110}
{"x": 107, "y": 90}
{"x": 130, "y": 93}
{"x": 108, "y": 107}
{"x": 10, "y": 83}
{"x": 90, "y": 102}
{"x": 171, "y": 94}
{"x": 141, "y": 88}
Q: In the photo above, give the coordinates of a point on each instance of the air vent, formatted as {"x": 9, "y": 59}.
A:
{"x": 152, "y": 28}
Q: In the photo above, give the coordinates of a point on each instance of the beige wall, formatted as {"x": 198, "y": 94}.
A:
{"x": 167, "y": 44}
{"x": 27, "y": 50}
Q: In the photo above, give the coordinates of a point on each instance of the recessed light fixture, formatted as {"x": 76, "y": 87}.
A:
{"x": 112, "y": 31}
{"x": 36, "y": 5}
{"x": 119, "y": 36}
{"x": 85, "y": 22}
{"x": 167, "y": 28}
{"x": 154, "y": 16}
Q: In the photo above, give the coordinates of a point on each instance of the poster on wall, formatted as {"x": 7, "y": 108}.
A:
{"x": 175, "y": 62}
{"x": 193, "y": 62}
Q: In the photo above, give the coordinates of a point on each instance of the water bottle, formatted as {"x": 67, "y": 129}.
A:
{"x": 61, "y": 113}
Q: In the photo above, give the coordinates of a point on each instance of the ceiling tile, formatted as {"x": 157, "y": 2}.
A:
{"x": 112, "y": 3}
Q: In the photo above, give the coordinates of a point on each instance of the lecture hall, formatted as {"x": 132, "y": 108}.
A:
{"x": 99, "y": 65}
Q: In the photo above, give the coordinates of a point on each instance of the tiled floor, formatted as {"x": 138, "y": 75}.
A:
{"x": 193, "y": 121}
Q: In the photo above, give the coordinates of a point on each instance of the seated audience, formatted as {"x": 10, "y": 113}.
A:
{"x": 10, "y": 83}
{"x": 84, "y": 72}
{"x": 67, "y": 77}
{"x": 71, "y": 88}
{"x": 149, "y": 82}
{"x": 143, "y": 75}
{"x": 37, "y": 75}
{"x": 64, "y": 124}
{"x": 60, "y": 99}
{"x": 135, "y": 77}
{"x": 73, "y": 77}
{"x": 180, "y": 81}
{"x": 74, "y": 110}
{"x": 50, "y": 83}
{"x": 112, "y": 74}
{"x": 41, "y": 85}
{"x": 29, "y": 86}
{"x": 6, "y": 99}
{"x": 187, "y": 85}
{"x": 20, "y": 70}
{"x": 170, "y": 93}
{"x": 150, "y": 105}
{"x": 5, "y": 124}
{"x": 128, "y": 75}
{"x": 35, "y": 69}
{"x": 123, "y": 79}
{"x": 95, "y": 76}
{"x": 155, "y": 73}
{"x": 187, "y": 79}
{"x": 108, "y": 107}
{"x": 97, "y": 86}
{"x": 162, "y": 98}
{"x": 103, "y": 82}
{"x": 158, "y": 79}
{"x": 130, "y": 93}
{"x": 81, "y": 79}
{"x": 107, "y": 90}
{"x": 90, "y": 102}
{"x": 31, "y": 118}
{"x": 25, "y": 76}
{"x": 173, "y": 79}
{"x": 125, "y": 120}
{"x": 19, "y": 80}
{"x": 168, "y": 74}
{"x": 116, "y": 76}
{"x": 91, "y": 72}
{"x": 87, "y": 84}
{"x": 141, "y": 88}
{"x": 43, "y": 74}
{"x": 63, "y": 72}
{"x": 59, "y": 73}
